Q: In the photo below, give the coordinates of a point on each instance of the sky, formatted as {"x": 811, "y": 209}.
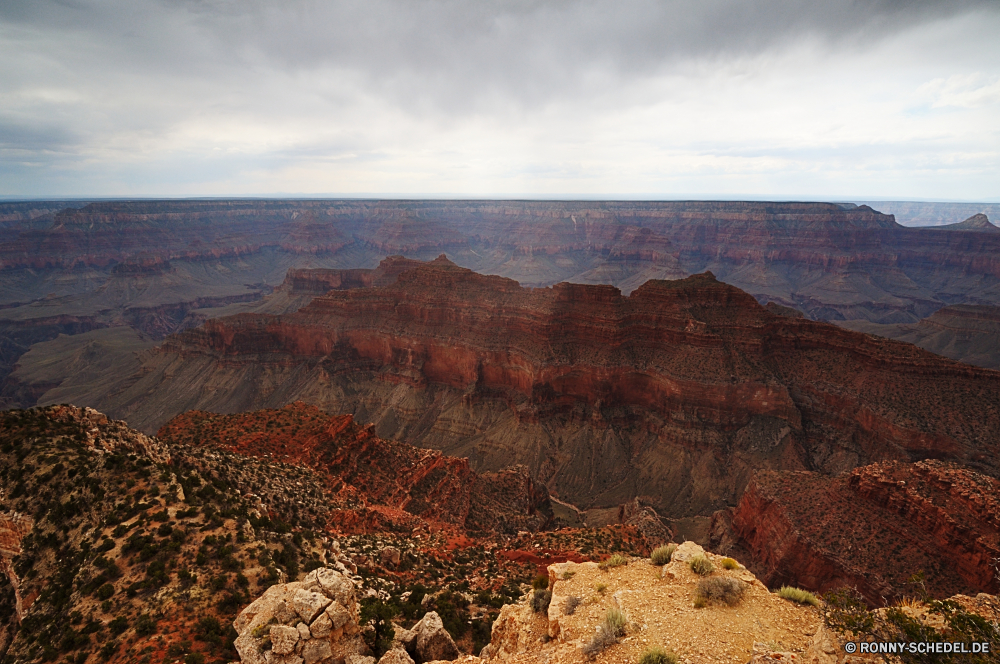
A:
{"x": 832, "y": 99}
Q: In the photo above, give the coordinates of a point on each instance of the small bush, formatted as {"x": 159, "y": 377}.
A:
{"x": 657, "y": 655}
{"x": 118, "y": 625}
{"x": 701, "y": 565}
{"x": 571, "y": 603}
{"x": 661, "y": 555}
{"x": 541, "y": 582}
{"x": 617, "y": 560}
{"x": 600, "y": 587}
{"x": 105, "y": 591}
{"x": 720, "y": 589}
{"x": 798, "y": 595}
{"x": 194, "y": 658}
{"x": 729, "y": 563}
{"x": 614, "y": 622}
{"x": 145, "y": 625}
{"x": 610, "y": 630}
{"x": 540, "y": 600}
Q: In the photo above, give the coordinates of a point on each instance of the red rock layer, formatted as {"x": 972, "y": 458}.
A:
{"x": 696, "y": 352}
{"x": 874, "y": 528}
{"x": 319, "y": 281}
{"x": 384, "y": 474}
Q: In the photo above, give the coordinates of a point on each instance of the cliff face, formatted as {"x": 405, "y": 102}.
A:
{"x": 874, "y": 528}
{"x": 375, "y": 472}
{"x": 677, "y": 392}
{"x": 965, "y": 332}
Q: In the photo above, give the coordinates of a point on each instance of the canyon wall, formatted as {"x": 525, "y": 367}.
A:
{"x": 873, "y": 529}
{"x": 674, "y": 394}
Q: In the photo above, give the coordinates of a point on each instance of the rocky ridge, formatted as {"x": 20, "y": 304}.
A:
{"x": 675, "y": 393}
{"x": 870, "y": 529}
{"x": 376, "y": 473}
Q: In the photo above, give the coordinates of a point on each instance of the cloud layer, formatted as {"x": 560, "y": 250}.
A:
{"x": 222, "y": 97}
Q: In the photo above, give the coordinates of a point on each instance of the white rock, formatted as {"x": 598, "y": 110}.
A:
{"x": 283, "y": 639}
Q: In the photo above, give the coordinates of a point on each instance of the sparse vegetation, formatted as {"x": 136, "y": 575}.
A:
{"x": 729, "y": 563}
{"x": 661, "y": 555}
{"x": 611, "y": 629}
{"x": 615, "y": 560}
{"x": 600, "y": 587}
{"x": 701, "y": 565}
{"x": 540, "y": 600}
{"x": 657, "y": 655}
{"x": 572, "y": 602}
{"x": 848, "y": 613}
{"x": 798, "y": 595}
{"x": 719, "y": 589}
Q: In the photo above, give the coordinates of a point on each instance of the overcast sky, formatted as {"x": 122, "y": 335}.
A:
{"x": 818, "y": 98}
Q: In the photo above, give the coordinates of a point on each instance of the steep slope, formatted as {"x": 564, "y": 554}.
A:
{"x": 872, "y": 529}
{"x": 423, "y": 483}
{"x": 964, "y": 332}
{"x": 675, "y": 393}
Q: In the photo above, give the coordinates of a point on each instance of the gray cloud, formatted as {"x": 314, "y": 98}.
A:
{"x": 152, "y": 92}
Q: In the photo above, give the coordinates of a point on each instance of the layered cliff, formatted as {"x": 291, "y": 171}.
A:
{"x": 376, "y": 472}
{"x": 965, "y": 332}
{"x": 676, "y": 392}
{"x": 873, "y": 528}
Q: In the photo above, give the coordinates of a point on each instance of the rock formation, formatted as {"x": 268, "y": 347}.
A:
{"x": 422, "y": 483}
{"x": 977, "y": 222}
{"x": 873, "y": 529}
{"x": 314, "y": 621}
{"x": 675, "y": 393}
{"x": 965, "y": 332}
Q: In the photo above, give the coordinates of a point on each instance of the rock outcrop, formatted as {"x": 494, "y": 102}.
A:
{"x": 375, "y": 472}
{"x": 313, "y": 621}
{"x": 874, "y": 528}
{"x": 977, "y": 222}
{"x": 676, "y": 392}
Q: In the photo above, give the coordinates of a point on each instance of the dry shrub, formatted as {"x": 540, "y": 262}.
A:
{"x": 720, "y": 589}
{"x": 661, "y": 554}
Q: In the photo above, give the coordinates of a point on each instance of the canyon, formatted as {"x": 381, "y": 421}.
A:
{"x": 674, "y": 394}
{"x": 157, "y": 267}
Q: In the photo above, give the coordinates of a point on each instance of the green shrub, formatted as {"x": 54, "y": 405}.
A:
{"x": 729, "y": 563}
{"x": 657, "y": 655}
{"x": 720, "y": 589}
{"x": 571, "y": 603}
{"x": 105, "y": 591}
{"x": 600, "y": 587}
{"x": 614, "y": 622}
{"x": 118, "y": 625}
{"x": 798, "y": 595}
{"x": 701, "y": 565}
{"x": 661, "y": 555}
{"x": 541, "y": 582}
{"x": 145, "y": 625}
{"x": 194, "y": 658}
{"x": 540, "y": 600}
{"x": 617, "y": 560}
{"x": 608, "y": 633}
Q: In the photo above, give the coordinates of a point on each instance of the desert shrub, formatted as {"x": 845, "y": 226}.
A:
{"x": 701, "y": 565}
{"x": 720, "y": 589}
{"x": 571, "y": 603}
{"x": 614, "y": 622}
{"x": 145, "y": 625}
{"x": 118, "y": 625}
{"x": 541, "y": 582}
{"x": 611, "y": 629}
{"x": 105, "y": 591}
{"x": 657, "y": 655}
{"x": 376, "y": 617}
{"x": 194, "y": 658}
{"x": 729, "y": 563}
{"x": 617, "y": 560}
{"x": 540, "y": 600}
{"x": 798, "y": 595}
{"x": 600, "y": 587}
{"x": 661, "y": 554}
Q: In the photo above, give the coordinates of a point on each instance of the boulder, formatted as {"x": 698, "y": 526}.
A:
{"x": 308, "y": 622}
{"x": 432, "y": 640}
{"x": 283, "y": 639}
{"x": 309, "y": 604}
{"x": 359, "y": 659}
{"x": 396, "y": 656}
{"x": 389, "y": 556}
{"x": 404, "y": 638}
